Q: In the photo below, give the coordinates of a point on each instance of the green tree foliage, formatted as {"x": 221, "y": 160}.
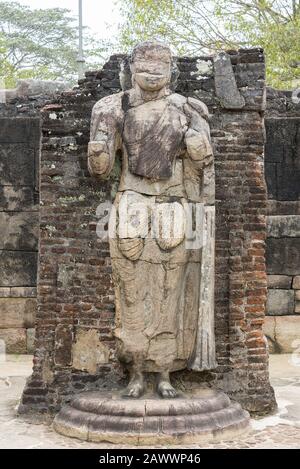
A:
{"x": 41, "y": 43}
{"x": 195, "y": 26}
{"x": 273, "y": 25}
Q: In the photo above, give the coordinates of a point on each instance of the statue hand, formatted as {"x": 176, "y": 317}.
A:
{"x": 98, "y": 158}
{"x": 198, "y": 145}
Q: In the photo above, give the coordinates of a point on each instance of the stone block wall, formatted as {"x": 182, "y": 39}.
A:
{"x": 20, "y": 137}
{"x": 282, "y": 170}
{"x": 19, "y": 206}
{"x": 75, "y": 348}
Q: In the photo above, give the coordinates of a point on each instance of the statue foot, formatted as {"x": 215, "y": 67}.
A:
{"x": 135, "y": 387}
{"x": 165, "y": 388}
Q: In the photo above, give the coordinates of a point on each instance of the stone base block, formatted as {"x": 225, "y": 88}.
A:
{"x": 17, "y": 312}
{"x": 203, "y": 416}
{"x": 280, "y": 302}
{"x": 13, "y": 340}
{"x": 283, "y": 333}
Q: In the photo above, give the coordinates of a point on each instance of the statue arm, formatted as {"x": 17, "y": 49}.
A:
{"x": 197, "y": 137}
{"x": 105, "y": 138}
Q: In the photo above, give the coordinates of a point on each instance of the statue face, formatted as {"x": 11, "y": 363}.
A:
{"x": 151, "y": 71}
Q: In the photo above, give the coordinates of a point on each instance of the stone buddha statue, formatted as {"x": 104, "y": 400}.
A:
{"x": 164, "y": 283}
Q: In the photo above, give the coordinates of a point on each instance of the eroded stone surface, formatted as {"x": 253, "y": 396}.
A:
{"x": 282, "y": 153}
{"x": 203, "y": 416}
{"x": 283, "y": 332}
{"x": 63, "y": 344}
{"x": 19, "y": 218}
{"x": 280, "y": 281}
{"x": 14, "y": 340}
{"x": 225, "y": 84}
{"x": 18, "y": 268}
{"x": 296, "y": 282}
{"x": 283, "y": 256}
{"x": 19, "y": 231}
{"x": 17, "y": 312}
{"x": 283, "y": 226}
{"x": 88, "y": 352}
{"x": 280, "y": 302}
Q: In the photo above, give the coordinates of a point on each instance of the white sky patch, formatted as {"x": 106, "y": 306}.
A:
{"x": 101, "y": 16}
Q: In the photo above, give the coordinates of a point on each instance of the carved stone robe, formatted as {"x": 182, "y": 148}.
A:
{"x": 164, "y": 291}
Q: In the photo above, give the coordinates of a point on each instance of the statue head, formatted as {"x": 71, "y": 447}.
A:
{"x": 151, "y": 64}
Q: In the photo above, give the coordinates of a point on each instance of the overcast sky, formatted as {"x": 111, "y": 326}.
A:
{"x": 100, "y": 15}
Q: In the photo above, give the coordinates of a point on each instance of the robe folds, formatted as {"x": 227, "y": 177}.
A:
{"x": 164, "y": 285}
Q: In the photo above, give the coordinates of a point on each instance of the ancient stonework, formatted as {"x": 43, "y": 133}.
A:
{"x": 20, "y": 142}
{"x": 19, "y": 205}
{"x": 205, "y": 416}
{"x": 75, "y": 287}
{"x": 282, "y": 171}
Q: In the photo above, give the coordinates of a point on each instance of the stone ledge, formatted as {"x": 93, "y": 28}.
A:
{"x": 18, "y": 292}
{"x": 279, "y": 281}
{"x": 204, "y": 416}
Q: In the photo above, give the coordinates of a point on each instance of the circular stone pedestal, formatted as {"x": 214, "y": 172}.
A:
{"x": 202, "y": 416}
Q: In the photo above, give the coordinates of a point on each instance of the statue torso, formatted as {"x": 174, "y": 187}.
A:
{"x": 153, "y": 137}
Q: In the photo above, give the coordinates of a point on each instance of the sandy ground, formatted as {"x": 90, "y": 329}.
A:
{"x": 281, "y": 430}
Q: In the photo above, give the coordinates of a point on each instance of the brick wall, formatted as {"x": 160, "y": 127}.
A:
{"x": 75, "y": 345}
{"x": 282, "y": 169}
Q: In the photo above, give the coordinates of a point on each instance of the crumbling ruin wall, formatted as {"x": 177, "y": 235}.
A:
{"x": 19, "y": 211}
{"x": 282, "y": 170}
{"x": 20, "y": 135}
{"x": 75, "y": 347}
